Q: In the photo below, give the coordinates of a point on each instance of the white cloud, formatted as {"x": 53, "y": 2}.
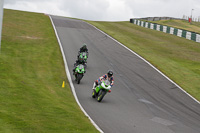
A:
{"x": 118, "y": 11}
{"x": 151, "y": 8}
{"x": 108, "y": 10}
{"x": 45, "y": 6}
{"x": 87, "y": 9}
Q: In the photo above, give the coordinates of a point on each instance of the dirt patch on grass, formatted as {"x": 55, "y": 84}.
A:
{"x": 30, "y": 37}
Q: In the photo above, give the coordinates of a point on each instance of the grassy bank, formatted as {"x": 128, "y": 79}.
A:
{"x": 31, "y": 74}
{"x": 176, "y": 57}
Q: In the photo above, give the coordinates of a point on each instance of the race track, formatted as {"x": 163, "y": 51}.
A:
{"x": 141, "y": 101}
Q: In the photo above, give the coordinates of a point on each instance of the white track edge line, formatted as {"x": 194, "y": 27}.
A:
{"x": 146, "y": 62}
{"x": 70, "y": 80}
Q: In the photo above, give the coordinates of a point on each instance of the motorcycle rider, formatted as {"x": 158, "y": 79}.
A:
{"x": 83, "y": 49}
{"x": 78, "y": 62}
{"x": 108, "y": 76}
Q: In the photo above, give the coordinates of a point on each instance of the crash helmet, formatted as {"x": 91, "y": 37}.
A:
{"x": 110, "y": 73}
{"x": 84, "y": 46}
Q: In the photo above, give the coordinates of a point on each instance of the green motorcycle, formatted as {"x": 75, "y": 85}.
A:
{"x": 79, "y": 73}
{"x": 100, "y": 91}
{"x": 84, "y": 55}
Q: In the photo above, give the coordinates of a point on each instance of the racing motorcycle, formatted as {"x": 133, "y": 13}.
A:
{"x": 84, "y": 55}
{"x": 79, "y": 73}
{"x": 100, "y": 91}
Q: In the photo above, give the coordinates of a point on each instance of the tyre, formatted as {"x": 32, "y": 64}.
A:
{"x": 79, "y": 77}
{"x": 93, "y": 94}
{"x": 101, "y": 94}
{"x": 79, "y": 81}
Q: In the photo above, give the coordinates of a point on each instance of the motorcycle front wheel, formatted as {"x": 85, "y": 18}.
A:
{"x": 94, "y": 94}
{"x": 101, "y": 94}
{"x": 79, "y": 77}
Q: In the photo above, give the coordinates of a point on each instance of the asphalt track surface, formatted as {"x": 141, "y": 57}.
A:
{"x": 141, "y": 101}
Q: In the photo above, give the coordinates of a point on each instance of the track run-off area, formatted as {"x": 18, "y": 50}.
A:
{"x": 142, "y": 99}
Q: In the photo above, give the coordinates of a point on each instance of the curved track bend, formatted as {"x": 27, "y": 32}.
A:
{"x": 141, "y": 101}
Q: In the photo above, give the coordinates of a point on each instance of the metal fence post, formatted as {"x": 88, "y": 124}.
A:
{"x": 1, "y": 19}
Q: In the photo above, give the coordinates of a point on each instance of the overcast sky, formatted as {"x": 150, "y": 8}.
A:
{"x": 109, "y": 10}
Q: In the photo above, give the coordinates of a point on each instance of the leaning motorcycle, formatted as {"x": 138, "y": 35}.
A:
{"x": 79, "y": 73}
{"x": 100, "y": 91}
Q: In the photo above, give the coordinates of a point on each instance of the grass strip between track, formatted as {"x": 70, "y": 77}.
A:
{"x": 31, "y": 75}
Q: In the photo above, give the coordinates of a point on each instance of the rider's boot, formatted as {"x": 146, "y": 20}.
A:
{"x": 94, "y": 86}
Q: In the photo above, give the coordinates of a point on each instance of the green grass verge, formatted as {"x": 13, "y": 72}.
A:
{"x": 31, "y": 75}
{"x": 180, "y": 24}
{"x": 176, "y": 57}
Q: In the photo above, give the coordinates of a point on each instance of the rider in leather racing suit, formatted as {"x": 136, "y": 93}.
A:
{"x": 79, "y": 61}
{"x": 108, "y": 76}
{"x": 83, "y": 49}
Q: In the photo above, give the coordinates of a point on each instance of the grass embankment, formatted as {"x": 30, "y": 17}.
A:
{"x": 31, "y": 74}
{"x": 181, "y": 24}
{"x": 176, "y": 57}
